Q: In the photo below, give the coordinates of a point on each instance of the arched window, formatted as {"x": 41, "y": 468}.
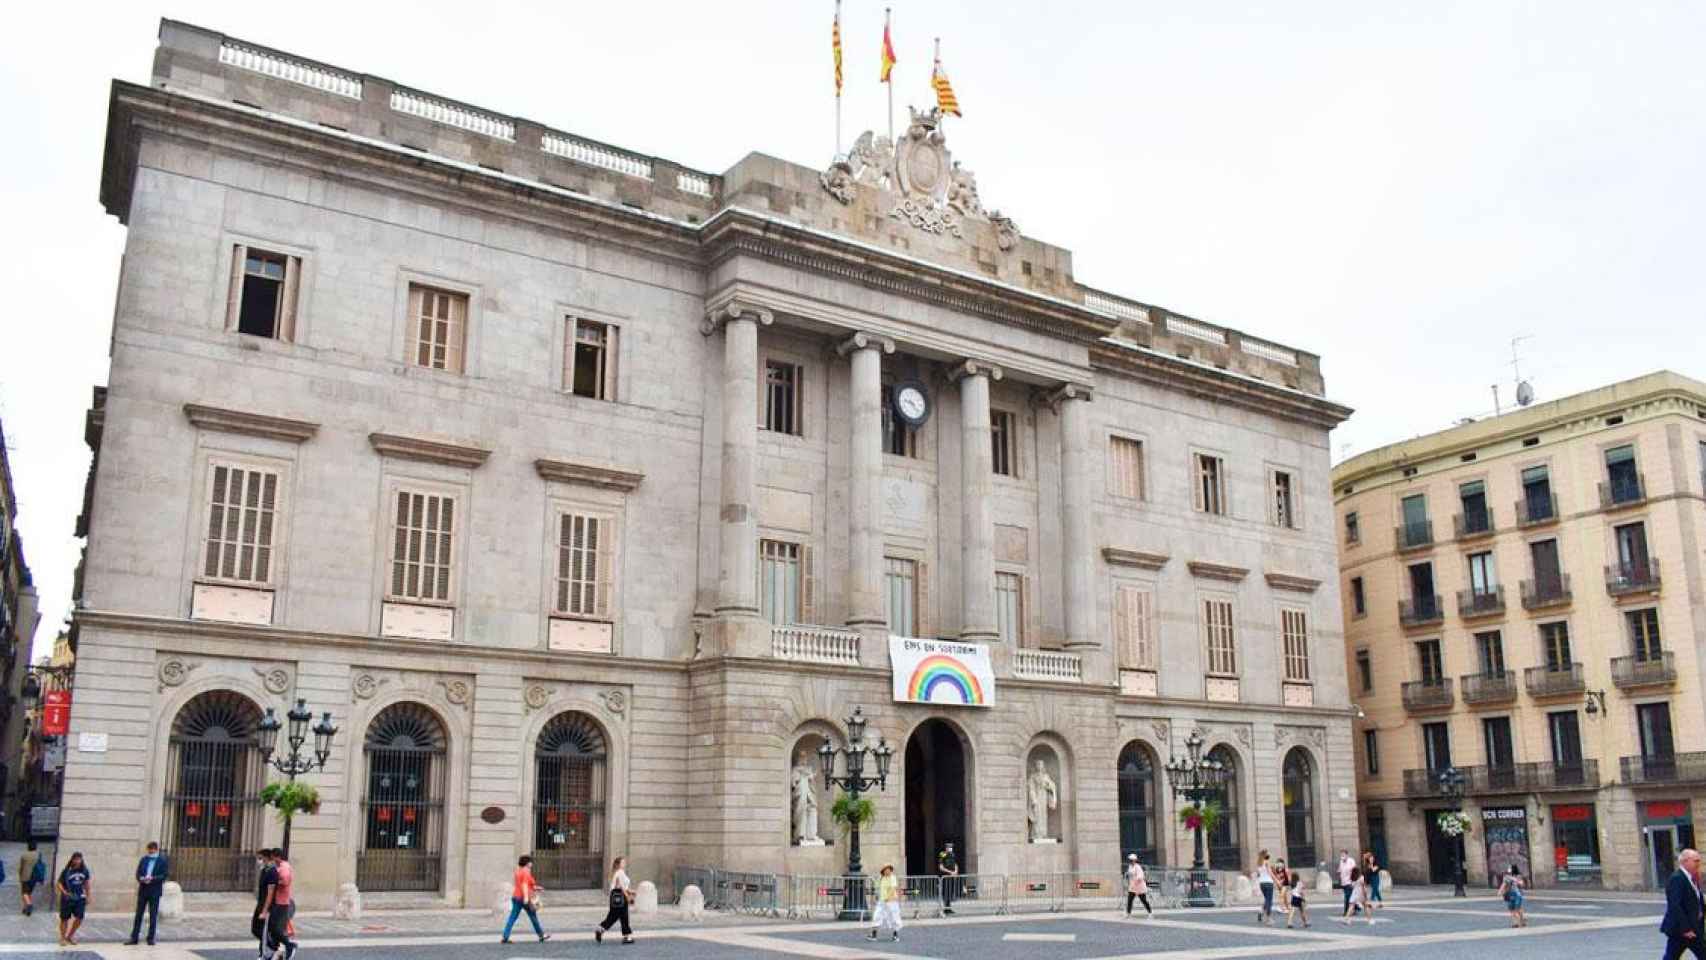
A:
{"x": 569, "y": 800}
{"x": 214, "y": 775}
{"x": 1225, "y": 841}
{"x": 403, "y": 808}
{"x": 1138, "y": 808}
{"x": 1298, "y": 778}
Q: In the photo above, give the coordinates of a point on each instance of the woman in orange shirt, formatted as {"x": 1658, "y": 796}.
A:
{"x": 525, "y": 896}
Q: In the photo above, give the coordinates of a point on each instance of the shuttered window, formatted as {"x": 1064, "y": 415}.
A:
{"x": 1010, "y": 607}
{"x": 901, "y": 579}
{"x": 1134, "y": 626}
{"x": 1294, "y": 632}
{"x": 241, "y": 518}
{"x": 1222, "y": 644}
{"x": 261, "y": 300}
{"x": 1125, "y": 468}
{"x": 1002, "y": 430}
{"x": 784, "y": 582}
{"x": 421, "y": 554}
{"x": 438, "y": 328}
{"x": 586, "y": 557}
{"x": 1209, "y": 484}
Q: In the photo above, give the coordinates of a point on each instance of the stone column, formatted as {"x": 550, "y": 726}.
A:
{"x": 1072, "y": 405}
{"x": 737, "y": 568}
{"x": 865, "y": 601}
{"x": 977, "y": 526}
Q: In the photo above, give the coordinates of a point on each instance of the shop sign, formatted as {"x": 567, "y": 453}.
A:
{"x": 1667, "y": 809}
{"x": 1505, "y": 813}
{"x": 1573, "y": 813}
{"x": 56, "y": 713}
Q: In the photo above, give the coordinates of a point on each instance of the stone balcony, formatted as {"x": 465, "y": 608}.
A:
{"x": 1424, "y": 696}
{"x": 806, "y": 643}
{"x": 1488, "y": 688}
{"x": 1657, "y": 670}
{"x": 1563, "y": 681}
{"x": 1053, "y": 665}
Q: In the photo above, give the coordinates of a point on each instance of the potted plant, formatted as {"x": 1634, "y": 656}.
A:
{"x": 851, "y": 813}
{"x": 1204, "y": 815}
{"x": 1454, "y": 823}
{"x": 291, "y": 797}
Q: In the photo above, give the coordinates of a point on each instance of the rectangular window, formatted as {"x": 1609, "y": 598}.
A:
{"x": 1566, "y": 741}
{"x": 1134, "y": 626}
{"x": 1496, "y": 734}
{"x": 1436, "y": 746}
{"x": 1555, "y": 642}
{"x": 438, "y": 328}
{"x": 1209, "y": 490}
{"x": 782, "y": 398}
{"x": 1548, "y": 572}
{"x": 1653, "y": 722}
{"x": 1010, "y": 607}
{"x": 1001, "y": 435}
{"x": 898, "y": 438}
{"x": 1482, "y": 578}
{"x": 1632, "y": 561}
{"x": 1429, "y": 660}
{"x": 1353, "y": 528}
{"x": 779, "y": 581}
{"x": 1294, "y": 628}
{"x": 1537, "y": 494}
{"x": 585, "y": 561}
{"x": 1473, "y": 496}
{"x": 262, "y": 298}
{"x": 1125, "y": 468}
{"x": 1623, "y": 479}
{"x": 241, "y": 517}
{"x": 422, "y": 559}
{"x": 901, "y": 578}
{"x": 1222, "y": 641}
{"x": 1359, "y": 599}
{"x": 1490, "y": 653}
{"x": 1371, "y": 752}
{"x": 1284, "y": 513}
{"x": 589, "y": 359}
{"x": 1415, "y": 530}
{"x": 1365, "y": 671}
{"x": 1644, "y": 633}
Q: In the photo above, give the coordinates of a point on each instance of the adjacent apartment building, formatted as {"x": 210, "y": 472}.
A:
{"x": 589, "y": 494}
{"x": 18, "y": 619}
{"x": 1524, "y": 603}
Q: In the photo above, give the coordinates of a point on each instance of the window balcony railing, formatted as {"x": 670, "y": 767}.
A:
{"x": 1622, "y": 490}
{"x": 1531, "y": 511}
{"x": 1421, "y": 611}
{"x": 1652, "y": 670}
{"x": 1632, "y": 576}
{"x": 1563, "y": 681}
{"x": 1480, "y": 603}
{"x": 1426, "y": 695}
{"x": 1473, "y": 523}
{"x": 804, "y": 643}
{"x": 1539, "y": 777}
{"x": 1048, "y": 665}
{"x": 1664, "y": 768}
{"x": 1412, "y": 536}
{"x": 1546, "y": 592}
{"x": 1485, "y": 688}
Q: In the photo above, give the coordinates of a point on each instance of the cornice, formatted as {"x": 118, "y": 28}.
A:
{"x": 222, "y": 420}
{"x": 1292, "y": 582}
{"x": 1115, "y": 556}
{"x": 1218, "y": 385}
{"x": 586, "y": 474}
{"x": 1217, "y": 571}
{"x": 428, "y": 451}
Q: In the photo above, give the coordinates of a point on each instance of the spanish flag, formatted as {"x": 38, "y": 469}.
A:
{"x": 888, "y": 50}
{"x": 835, "y": 44}
{"x": 945, "y": 99}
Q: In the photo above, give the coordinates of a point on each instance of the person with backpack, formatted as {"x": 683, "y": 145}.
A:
{"x": 1510, "y": 888}
{"x": 32, "y": 872}
{"x": 621, "y": 891}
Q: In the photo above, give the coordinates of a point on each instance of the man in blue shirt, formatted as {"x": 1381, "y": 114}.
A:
{"x": 75, "y": 889}
{"x": 150, "y": 879}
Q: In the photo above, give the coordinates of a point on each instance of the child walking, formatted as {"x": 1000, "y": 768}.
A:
{"x": 888, "y": 905}
{"x": 1299, "y": 905}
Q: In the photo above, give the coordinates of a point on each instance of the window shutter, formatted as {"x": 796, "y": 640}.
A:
{"x": 565, "y": 540}
{"x": 922, "y": 616}
{"x": 287, "y": 308}
{"x": 446, "y": 518}
{"x": 400, "y": 546}
{"x": 412, "y": 332}
{"x": 605, "y": 529}
{"x": 1197, "y": 482}
{"x": 610, "y": 354}
{"x": 455, "y": 350}
{"x": 234, "y": 294}
{"x": 808, "y": 585}
{"x": 1025, "y": 627}
{"x": 1123, "y": 645}
{"x": 568, "y": 354}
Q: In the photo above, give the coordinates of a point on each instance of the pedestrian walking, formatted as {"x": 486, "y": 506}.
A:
{"x": 948, "y": 868}
{"x": 1361, "y": 901}
{"x": 150, "y": 880}
{"x": 888, "y": 905}
{"x": 1371, "y": 873}
{"x": 524, "y": 896}
{"x": 1353, "y": 899}
{"x": 1299, "y": 905}
{"x": 32, "y": 872}
{"x": 1347, "y": 866}
{"x": 280, "y": 903}
{"x": 1684, "y": 924}
{"x": 1264, "y": 877}
{"x": 265, "y": 877}
{"x": 1136, "y": 886}
{"x": 75, "y": 887}
{"x": 621, "y": 896}
{"x": 1510, "y": 888}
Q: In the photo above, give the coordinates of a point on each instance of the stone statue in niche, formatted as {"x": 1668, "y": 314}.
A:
{"x": 1042, "y": 795}
{"x": 805, "y": 804}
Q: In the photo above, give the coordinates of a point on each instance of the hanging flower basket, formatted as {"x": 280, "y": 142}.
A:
{"x": 1454, "y": 823}
{"x": 1207, "y": 816}
{"x": 290, "y": 798}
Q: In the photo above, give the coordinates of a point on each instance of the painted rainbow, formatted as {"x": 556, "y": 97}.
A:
{"x": 940, "y": 672}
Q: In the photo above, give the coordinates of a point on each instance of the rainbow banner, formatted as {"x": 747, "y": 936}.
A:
{"x": 941, "y": 672}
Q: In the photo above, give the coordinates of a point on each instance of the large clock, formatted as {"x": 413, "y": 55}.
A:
{"x": 911, "y": 403}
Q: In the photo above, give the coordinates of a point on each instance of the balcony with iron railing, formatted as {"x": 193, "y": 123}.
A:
{"x": 1421, "y": 611}
{"x": 1622, "y": 490}
{"x": 1414, "y": 536}
{"x": 1538, "y": 777}
{"x": 1563, "y": 680}
{"x": 1487, "y": 688}
{"x": 1474, "y": 524}
{"x": 1480, "y": 603}
{"x": 1423, "y": 696}
{"x": 1632, "y": 576}
{"x": 1533, "y": 511}
{"x": 1651, "y": 670}
{"x": 1664, "y": 768}
{"x": 1543, "y": 592}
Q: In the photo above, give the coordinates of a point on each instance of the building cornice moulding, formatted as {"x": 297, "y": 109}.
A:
{"x": 590, "y": 475}
{"x": 1217, "y": 571}
{"x": 1292, "y": 582}
{"x": 1120, "y": 557}
{"x": 428, "y": 451}
{"x": 1219, "y": 386}
{"x": 221, "y": 420}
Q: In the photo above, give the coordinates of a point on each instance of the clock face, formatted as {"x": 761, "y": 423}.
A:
{"x": 911, "y": 403}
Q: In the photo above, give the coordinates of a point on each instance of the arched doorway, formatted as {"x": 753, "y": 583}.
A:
{"x": 1225, "y": 841}
{"x": 569, "y": 791}
{"x": 1138, "y": 808}
{"x": 403, "y": 807}
{"x": 936, "y": 791}
{"x": 1298, "y": 779}
{"x": 213, "y": 817}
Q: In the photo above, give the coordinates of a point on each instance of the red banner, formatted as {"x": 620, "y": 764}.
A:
{"x": 1572, "y": 814}
{"x": 56, "y": 713}
{"x": 1667, "y": 809}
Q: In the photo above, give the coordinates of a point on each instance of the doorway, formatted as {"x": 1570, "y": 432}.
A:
{"x": 1661, "y": 855}
{"x": 936, "y": 774}
{"x": 1444, "y": 852}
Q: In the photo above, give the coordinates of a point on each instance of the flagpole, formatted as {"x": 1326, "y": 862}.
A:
{"x": 936, "y": 65}
{"x": 887, "y": 15}
{"x": 838, "y": 78}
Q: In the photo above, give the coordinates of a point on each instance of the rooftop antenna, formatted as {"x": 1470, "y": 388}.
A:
{"x": 1496, "y": 410}
{"x": 1524, "y": 389}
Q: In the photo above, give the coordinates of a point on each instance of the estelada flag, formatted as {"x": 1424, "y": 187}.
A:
{"x": 835, "y": 43}
{"x": 888, "y": 53}
{"x": 945, "y": 99}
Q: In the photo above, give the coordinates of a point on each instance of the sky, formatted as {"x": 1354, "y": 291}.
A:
{"x": 1403, "y": 188}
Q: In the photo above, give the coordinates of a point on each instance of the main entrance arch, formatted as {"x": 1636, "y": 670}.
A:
{"x": 937, "y": 784}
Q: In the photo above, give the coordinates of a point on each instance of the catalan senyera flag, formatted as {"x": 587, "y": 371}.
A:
{"x": 888, "y": 53}
{"x": 835, "y": 44}
{"x": 945, "y": 99}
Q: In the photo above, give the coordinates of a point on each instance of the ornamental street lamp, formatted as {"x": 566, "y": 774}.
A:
{"x": 1197, "y": 779}
{"x": 1452, "y": 784}
{"x": 855, "y": 783}
{"x": 295, "y": 764}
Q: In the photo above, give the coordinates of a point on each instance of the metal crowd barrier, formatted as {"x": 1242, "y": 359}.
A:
{"x": 821, "y": 897}
{"x": 740, "y": 892}
{"x": 702, "y": 877}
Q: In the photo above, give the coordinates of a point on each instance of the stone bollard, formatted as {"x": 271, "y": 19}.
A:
{"x": 1242, "y": 891}
{"x": 692, "y": 903}
{"x": 646, "y": 898}
{"x": 171, "y": 901}
{"x": 1323, "y": 882}
{"x": 348, "y": 906}
{"x": 1386, "y": 883}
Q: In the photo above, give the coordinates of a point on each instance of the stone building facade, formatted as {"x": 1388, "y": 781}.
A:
{"x": 18, "y": 620}
{"x": 1524, "y": 603}
{"x": 585, "y": 491}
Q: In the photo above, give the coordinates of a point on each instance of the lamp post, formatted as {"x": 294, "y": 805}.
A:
{"x": 855, "y": 782}
{"x": 295, "y": 763}
{"x": 1197, "y": 779}
{"x": 1451, "y": 783}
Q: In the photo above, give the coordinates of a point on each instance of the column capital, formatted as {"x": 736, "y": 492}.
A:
{"x": 1053, "y": 399}
{"x": 973, "y": 368}
{"x": 864, "y": 341}
{"x": 734, "y": 310}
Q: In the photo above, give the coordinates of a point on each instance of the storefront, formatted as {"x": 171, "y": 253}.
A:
{"x": 1575, "y": 843}
{"x": 1667, "y": 827}
{"x": 1505, "y": 833}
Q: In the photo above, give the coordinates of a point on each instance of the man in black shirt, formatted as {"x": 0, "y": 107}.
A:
{"x": 948, "y": 866}
{"x": 258, "y": 926}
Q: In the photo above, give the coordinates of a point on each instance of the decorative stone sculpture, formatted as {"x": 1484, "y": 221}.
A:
{"x": 805, "y": 805}
{"x": 1042, "y": 795}
{"x": 692, "y": 903}
{"x": 171, "y": 901}
{"x": 646, "y": 898}
{"x": 348, "y": 906}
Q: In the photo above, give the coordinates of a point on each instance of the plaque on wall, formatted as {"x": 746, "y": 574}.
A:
{"x": 492, "y": 815}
